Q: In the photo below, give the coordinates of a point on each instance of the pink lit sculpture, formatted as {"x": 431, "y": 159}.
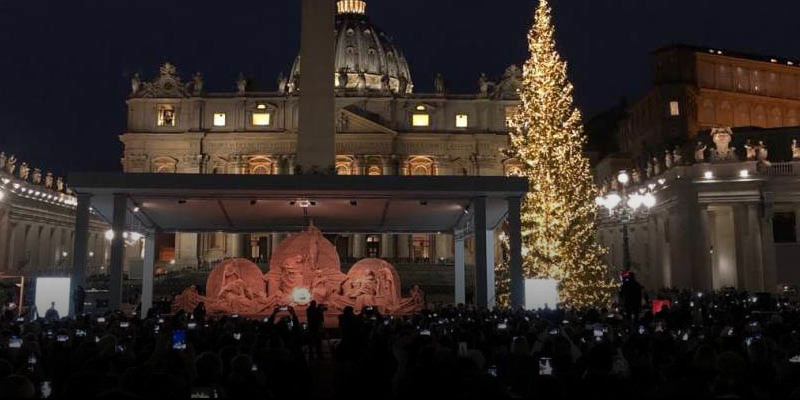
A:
{"x": 304, "y": 267}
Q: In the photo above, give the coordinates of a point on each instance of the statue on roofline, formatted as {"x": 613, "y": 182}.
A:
{"x": 677, "y": 157}
{"x": 750, "y": 151}
{"x": 11, "y": 164}
{"x": 282, "y": 82}
{"x": 197, "y": 84}
{"x": 24, "y": 171}
{"x": 439, "y": 84}
{"x": 795, "y": 150}
{"x": 484, "y": 86}
{"x": 700, "y": 152}
{"x": 37, "y": 176}
{"x": 722, "y": 139}
{"x": 668, "y": 160}
{"x": 763, "y": 152}
{"x": 241, "y": 84}
{"x": 136, "y": 83}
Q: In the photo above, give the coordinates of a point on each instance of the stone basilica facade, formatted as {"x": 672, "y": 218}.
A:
{"x": 716, "y": 140}
{"x": 383, "y": 127}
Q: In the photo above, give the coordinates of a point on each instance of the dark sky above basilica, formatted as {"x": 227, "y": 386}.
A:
{"x": 65, "y": 65}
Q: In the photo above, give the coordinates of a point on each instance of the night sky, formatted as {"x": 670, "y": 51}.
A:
{"x": 65, "y": 65}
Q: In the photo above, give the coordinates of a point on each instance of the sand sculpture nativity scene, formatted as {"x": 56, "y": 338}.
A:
{"x": 304, "y": 267}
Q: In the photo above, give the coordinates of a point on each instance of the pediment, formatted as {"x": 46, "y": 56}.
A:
{"x": 352, "y": 120}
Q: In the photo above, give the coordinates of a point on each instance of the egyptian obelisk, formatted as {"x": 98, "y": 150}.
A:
{"x": 316, "y": 142}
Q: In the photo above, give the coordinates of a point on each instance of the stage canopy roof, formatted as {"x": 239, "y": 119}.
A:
{"x": 285, "y": 203}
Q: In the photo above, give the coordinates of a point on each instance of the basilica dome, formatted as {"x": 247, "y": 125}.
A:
{"x": 366, "y": 59}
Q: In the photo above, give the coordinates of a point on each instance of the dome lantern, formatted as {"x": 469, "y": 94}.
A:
{"x": 351, "y": 7}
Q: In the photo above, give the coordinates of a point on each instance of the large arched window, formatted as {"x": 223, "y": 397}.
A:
{"x": 421, "y": 166}
{"x": 420, "y": 169}
{"x": 344, "y": 166}
{"x": 261, "y": 166}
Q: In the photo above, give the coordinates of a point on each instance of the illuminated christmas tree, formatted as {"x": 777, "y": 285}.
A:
{"x": 502, "y": 274}
{"x": 559, "y": 212}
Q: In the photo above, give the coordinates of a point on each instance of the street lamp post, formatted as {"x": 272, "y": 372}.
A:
{"x": 626, "y": 205}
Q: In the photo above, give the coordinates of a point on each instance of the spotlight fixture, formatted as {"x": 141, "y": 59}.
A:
{"x": 253, "y": 202}
{"x": 181, "y": 201}
{"x": 353, "y": 203}
{"x": 304, "y": 203}
{"x": 136, "y": 209}
{"x": 423, "y": 203}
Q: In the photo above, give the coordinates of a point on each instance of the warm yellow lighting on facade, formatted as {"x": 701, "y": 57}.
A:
{"x": 219, "y": 119}
{"x": 511, "y": 111}
{"x": 674, "y": 108}
{"x": 462, "y": 121}
{"x": 261, "y": 119}
{"x": 166, "y": 115}
{"x": 351, "y": 7}
{"x": 421, "y": 120}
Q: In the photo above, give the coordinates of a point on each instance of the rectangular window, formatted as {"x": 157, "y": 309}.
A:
{"x": 462, "y": 121}
{"x": 421, "y": 120}
{"x": 166, "y": 115}
{"x": 261, "y": 119}
{"x": 219, "y": 119}
{"x": 674, "y": 108}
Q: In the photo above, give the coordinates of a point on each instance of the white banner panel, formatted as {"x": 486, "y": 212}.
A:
{"x": 49, "y": 290}
{"x": 540, "y": 293}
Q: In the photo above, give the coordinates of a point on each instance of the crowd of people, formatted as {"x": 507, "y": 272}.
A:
{"x": 727, "y": 343}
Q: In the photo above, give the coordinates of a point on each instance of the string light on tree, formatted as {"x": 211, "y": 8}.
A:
{"x": 559, "y": 212}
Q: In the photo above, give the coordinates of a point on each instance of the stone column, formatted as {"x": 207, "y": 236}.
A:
{"x": 654, "y": 254}
{"x": 768, "y": 247}
{"x": 459, "y": 280}
{"x": 358, "y": 246}
{"x": 5, "y": 233}
{"x": 360, "y": 167}
{"x": 755, "y": 269}
{"x": 12, "y": 244}
{"x": 484, "y": 257}
{"x": 277, "y": 238}
{"x": 442, "y": 253}
{"x": 148, "y": 268}
{"x": 743, "y": 248}
{"x": 403, "y": 246}
{"x": 117, "y": 251}
{"x": 186, "y": 249}
{"x": 234, "y": 245}
{"x": 515, "y": 249}
{"x": 702, "y": 275}
{"x": 388, "y": 167}
{"x": 387, "y": 247}
{"x": 797, "y": 220}
{"x": 80, "y": 251}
